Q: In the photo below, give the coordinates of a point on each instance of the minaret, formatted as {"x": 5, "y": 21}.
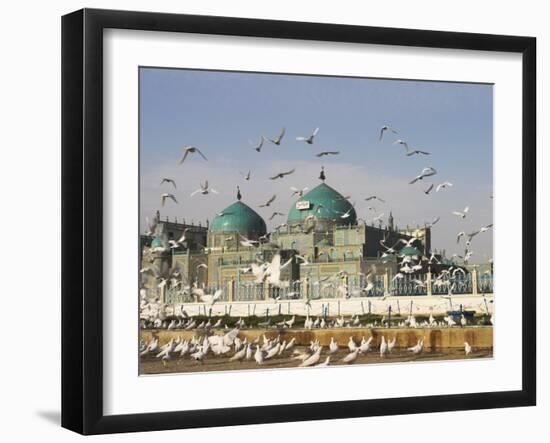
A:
{"x": 390, "y": 222}
{"x": 322, "y": 175}
{"x": 239, "y": 195}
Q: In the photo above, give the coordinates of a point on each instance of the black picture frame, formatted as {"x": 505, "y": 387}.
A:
{"x": 82, "y": 218}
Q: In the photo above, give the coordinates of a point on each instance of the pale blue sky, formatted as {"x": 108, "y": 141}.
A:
{"x": 219, "y": 112}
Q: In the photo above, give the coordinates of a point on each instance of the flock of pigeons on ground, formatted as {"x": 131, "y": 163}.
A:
{"x": 262, "y": 349}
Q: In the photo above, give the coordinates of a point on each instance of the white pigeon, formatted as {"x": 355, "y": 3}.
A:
{"x": 190, "y": 150}
{"x": 313, "y": 359}
{"x": 273, "y": 351}
{"x": 333, "y": 346}
{"x": 204, "y": 189}
{"x": 383, "y": 347}
{"x": 259, "y": 356}
{"x": 417, "y": 349}
{"x": 167, "y": 195}
{"x": 364, "y": 347}
{"x": 309, "y": 140}
{"x": 385, "y": 128}
{"x": 391, "y": 344}
{"x": 324, "y": 364}
{"x": 239, "y": 356}
{"x": 351, "y": 357}
{"x": 467, "y": 348}
{"x": 426, "y": 172}
{"x": 351, "y": 345}
{"x": 443, "y": 186}
{"x": 463, "y": 213}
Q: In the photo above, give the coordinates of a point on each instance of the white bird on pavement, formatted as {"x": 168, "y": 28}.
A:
{"x": 324, "y": 364}
{"x": 364, "y": 347}
{"x": 313, "y": 359}
{"x": 383, "y": 347}
{"x": 391, "y": 344}
{"x": 333, "y": 346}
{"x": 351, "y": 357}
{"x": 259, "y": 355}
{"x": 417, "y": 349}
{"x": 467, "y": 348}
{"x": 240, "y": 355}
{"x": 352, "y": 346}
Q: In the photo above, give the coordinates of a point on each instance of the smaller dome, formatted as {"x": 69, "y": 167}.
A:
{"x": 410, "y": 251}
{"x": 156, "y": 243}
{"x": 238, "y": 217}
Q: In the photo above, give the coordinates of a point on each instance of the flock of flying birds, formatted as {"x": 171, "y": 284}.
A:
{"x": 271, "y": 271}
{"x": 426, "y": 173}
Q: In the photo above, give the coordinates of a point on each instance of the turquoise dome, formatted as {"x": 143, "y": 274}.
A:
{"x": 155, "y": 243}
{"x": 238, "y": 217}
{"x": 324, "y": 203}
{"x": 410, "y": 251}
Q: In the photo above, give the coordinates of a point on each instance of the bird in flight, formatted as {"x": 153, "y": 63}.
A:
{"x": 282, "y": 174}
{"x": 417, "y": 151}
{"x": 204, "y": 189}
{"x": 246, "y": 242}
{"x": 275, "y": 214}
{"x": 385, "y": 128}
{"x": 433, "y": 222}
{"x": 258, "y": 147}
{"x": 463, "y": 213}
{"x": 169, "y": 180}
{"x": 429, "y": 189}
{"x": 374, "y": 197}
{"x": 443, "y": 186}
{"x": 170, "y": 196}
{"x": 402, "y": 143}
{"x": 190, "y": 150}
{"x": 298, "y": 192}
{"x": 279, "y": 138}
{"x": 309, "y": 140}
{"x": 426, "y": 172}
{"x": 246, "y": 176}
{"x": 321, "y": 154}
{"x": 271, "y": 200}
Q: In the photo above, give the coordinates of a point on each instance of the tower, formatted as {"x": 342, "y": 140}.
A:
{"x": 390, "y": 222}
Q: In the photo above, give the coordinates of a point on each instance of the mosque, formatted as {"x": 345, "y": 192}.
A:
{"x": 322, "y": 228}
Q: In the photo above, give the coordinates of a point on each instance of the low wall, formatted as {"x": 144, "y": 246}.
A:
{"x": 434, "y": 338}
{"x": 421, "y": 305}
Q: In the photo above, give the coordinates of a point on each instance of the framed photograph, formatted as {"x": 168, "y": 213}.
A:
{"x": 269, "y": 221}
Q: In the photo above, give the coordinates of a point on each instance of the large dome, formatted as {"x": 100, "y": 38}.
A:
{"x": 323, "y": 202}
{"x": 238, "y": 217}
